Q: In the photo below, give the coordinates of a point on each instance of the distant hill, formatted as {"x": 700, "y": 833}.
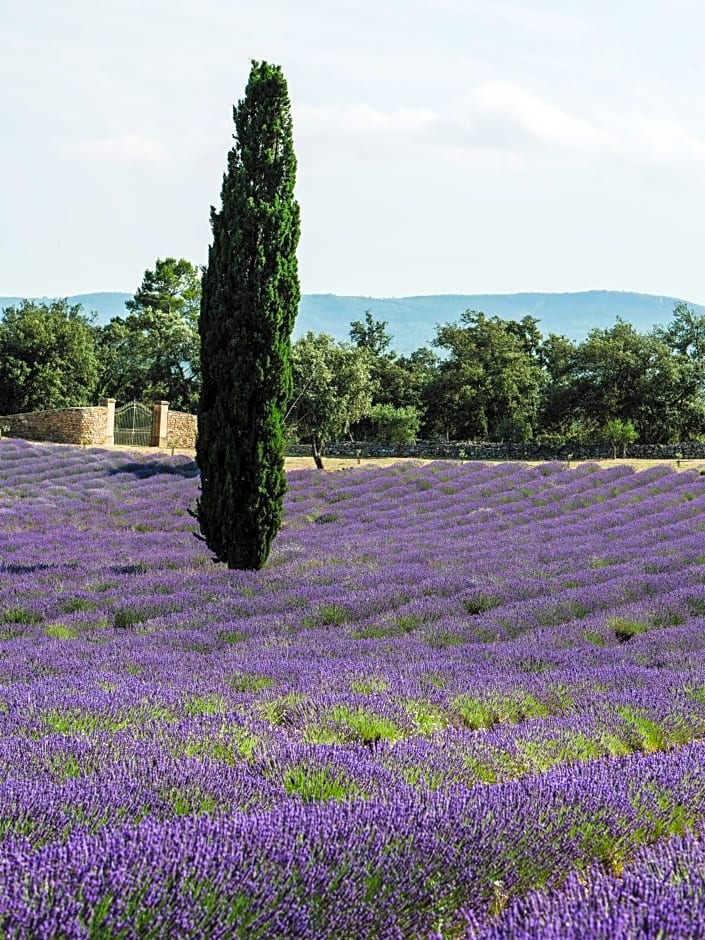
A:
{"x": 412, "y": 320}
{"x": 105, "y": 305}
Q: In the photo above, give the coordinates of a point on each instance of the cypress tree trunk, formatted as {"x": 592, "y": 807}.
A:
{"x": 249, "y": 303}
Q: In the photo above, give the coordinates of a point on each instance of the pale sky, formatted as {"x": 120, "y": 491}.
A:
{"x": 444, "y": 146}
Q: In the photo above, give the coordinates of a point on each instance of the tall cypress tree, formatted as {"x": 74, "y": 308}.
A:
{"x": 249, "y": 302}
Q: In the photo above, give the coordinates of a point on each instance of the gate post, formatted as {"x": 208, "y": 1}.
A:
{"x": 109, "y": 405}
{"x": 159, "y": 424}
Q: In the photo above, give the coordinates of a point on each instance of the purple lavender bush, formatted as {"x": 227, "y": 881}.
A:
{"x": 459, "y": 701}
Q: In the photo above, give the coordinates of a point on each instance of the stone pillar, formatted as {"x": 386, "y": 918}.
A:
{"x": 160, "y": 424}
{"x": 109, "y": 405}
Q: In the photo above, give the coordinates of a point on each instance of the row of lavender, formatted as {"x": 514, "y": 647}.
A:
{"x": 455, "y": 690}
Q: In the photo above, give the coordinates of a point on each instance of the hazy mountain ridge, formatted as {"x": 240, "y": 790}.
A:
{"x": 412, "y": 320}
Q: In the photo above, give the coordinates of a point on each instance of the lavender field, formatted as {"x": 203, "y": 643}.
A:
{"x": 461, "y": 701}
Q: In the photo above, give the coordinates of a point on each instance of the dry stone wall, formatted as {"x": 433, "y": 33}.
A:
{"x": 94, "y": 426}
{"x": 181, "y": 429}
{"x": 466, "y": 450}
{"x": 62, "y": 425}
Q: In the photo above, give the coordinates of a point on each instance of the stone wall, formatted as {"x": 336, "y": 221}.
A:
{"x": 181, "y": 429}
{"x": 466, "y": 450}
{"x": 93, "y": 426}
{"x": 62, "y": 425}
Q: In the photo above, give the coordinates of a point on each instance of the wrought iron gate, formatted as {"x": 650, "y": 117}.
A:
{"x": 133, "y": 425}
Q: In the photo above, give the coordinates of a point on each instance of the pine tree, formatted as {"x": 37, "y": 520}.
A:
{"x": 249, "y": 303}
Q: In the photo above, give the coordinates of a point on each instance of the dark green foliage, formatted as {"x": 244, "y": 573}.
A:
{"x": 48, "y": 357}
{"x": 396, "y": 384}
{"x": 625, "y": 629}
{"x": 128, "y": 617}
{"x": 371, "y": 335}
{"x": 619, "y": 375}
{"x": 480, "y": 603}
{"x": 620, "y": 434}
{"x": 333, "y": 389}
{"x": 153, "y": 352}
{"x": 326, "y": 517}
{"x": 395, "y": 425}
{"x": 248, "y": 306}
{"x": 19, "y": 615}
{"x": 489, "y": 385}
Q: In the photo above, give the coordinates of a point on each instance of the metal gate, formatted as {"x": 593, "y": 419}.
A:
{"x": 133, "y": 425}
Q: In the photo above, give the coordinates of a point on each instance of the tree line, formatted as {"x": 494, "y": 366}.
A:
{"x": 484, "y": 378}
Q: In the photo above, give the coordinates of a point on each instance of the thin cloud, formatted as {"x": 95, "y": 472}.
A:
{"x": 664, "y": 141}
{"x": 364, "y": 118}
{"x": 523, "y": 129}
{"x": 360, "y": 130}
{"x": 535, "y": 118}
{"x": 496, "y": 125}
